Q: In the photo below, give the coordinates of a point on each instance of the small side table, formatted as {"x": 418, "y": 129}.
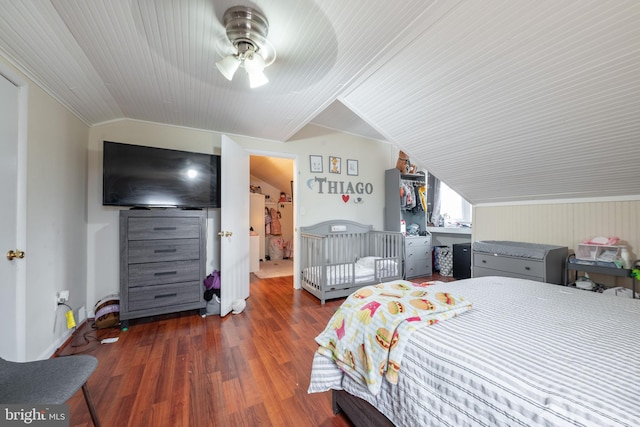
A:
{"x": 599, "y": 269}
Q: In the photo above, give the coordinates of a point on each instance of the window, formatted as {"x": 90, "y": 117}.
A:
{"x": 448, "y": 207}
{"x": 455, "y": 207}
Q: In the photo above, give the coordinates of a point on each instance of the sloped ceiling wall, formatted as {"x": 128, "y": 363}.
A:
{"x": 503, "y": 100}
{"x": 517, "y": 102}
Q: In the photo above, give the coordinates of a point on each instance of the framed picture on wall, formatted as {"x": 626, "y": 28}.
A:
{"x": 334, "y": 164}
{"x": 352, "y": 167}
{"x": 315, "y": 164}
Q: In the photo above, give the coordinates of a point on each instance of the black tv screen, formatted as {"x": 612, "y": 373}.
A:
{"x": 138, "y": 176}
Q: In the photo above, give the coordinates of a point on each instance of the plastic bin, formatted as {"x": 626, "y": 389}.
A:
{"x": 588, "y": 252}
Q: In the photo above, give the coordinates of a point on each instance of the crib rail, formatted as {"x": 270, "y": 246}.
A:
{"x": 328, "y": 260}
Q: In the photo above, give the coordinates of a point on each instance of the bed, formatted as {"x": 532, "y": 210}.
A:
{"x": 337, "y": 257}
{"x": 526, "y": 354}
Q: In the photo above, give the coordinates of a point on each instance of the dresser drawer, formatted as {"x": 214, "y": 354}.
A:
{"x": 141, "y": 251}
{"x": 153, "y": 297}
{"x": 417, "y": 268}
{"x": 517, "y": 266}
{"x": 160, "y": 273}
{"x": 418, "y": 241}
{"x": 163, "y": 228}
{"x": 483, "y": 272}
{"x": 418, "y": 253}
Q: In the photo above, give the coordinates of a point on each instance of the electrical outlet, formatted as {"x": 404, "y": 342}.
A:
{"x": 63, "y": 296}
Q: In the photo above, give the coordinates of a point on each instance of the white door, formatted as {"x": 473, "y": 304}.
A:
{"x": 234, "y": 231}
{"x": 12, "y": 335}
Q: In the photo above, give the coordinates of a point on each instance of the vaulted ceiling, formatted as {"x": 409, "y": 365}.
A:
{"x": 505, "y": 101}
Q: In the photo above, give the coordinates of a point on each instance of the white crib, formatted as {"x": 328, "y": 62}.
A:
{"x": 337, "y": 257}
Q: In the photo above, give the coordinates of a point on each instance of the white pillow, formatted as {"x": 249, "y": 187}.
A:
{"x": 368, "y": 261}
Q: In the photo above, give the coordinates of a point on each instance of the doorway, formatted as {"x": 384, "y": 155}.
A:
{"x": 13, "y": 146}
{"x": 271, "y": 215}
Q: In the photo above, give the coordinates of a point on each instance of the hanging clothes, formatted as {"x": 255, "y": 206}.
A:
{"x": 267, "y": 222}
{"x": 421, "y": 205}
{"x": 407, "y": 196}
{"x": 276, "y": 228}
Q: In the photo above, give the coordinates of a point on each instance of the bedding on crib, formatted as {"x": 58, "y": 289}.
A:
{"x": 338, "y": 257}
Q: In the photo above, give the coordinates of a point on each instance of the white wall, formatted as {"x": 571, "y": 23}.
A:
{"x": 56, "y": 256}
{"x": 311, "y": 205}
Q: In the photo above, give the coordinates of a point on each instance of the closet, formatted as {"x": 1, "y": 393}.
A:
{"x": 406, "y": 210}
{"x": 260, "y": 214}
{"x": 282, "y": 236}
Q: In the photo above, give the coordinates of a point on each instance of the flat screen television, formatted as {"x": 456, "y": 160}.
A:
{"x": 139, "y": 176}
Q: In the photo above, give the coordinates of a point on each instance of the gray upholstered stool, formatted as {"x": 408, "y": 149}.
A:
{"x": 51, "y": 381}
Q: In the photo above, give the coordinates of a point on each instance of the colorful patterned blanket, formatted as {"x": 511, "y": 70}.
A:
{"x": 367, "y": 335}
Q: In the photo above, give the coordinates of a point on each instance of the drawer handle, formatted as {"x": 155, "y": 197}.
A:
{"x": 165, "y": 273}
{"x": 165, "y": 296}
{"x": 527, "y": 268}
{"x": 164, "y": 251}
{"x": 164, "y": 228}
{"x": 484, "y": 261}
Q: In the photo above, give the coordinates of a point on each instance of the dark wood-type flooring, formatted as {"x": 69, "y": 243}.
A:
{"x": 250, "y": 369}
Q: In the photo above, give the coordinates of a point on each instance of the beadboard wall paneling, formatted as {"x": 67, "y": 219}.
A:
{"x": 564, "y": 224}
{"x": 505, "y": 101}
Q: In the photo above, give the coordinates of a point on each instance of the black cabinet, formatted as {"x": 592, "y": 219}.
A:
{"x": 462, "y": 260}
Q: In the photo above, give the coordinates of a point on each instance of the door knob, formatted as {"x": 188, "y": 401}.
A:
{"x": 225, "y": 233}
{"x": 15, "y": 254}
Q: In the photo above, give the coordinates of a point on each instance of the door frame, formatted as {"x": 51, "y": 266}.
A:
{"x": 21, "y": 208}
{"x": 296, "y": 236}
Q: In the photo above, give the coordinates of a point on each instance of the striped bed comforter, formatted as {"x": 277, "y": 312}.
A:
{"x": 528, "y": 354}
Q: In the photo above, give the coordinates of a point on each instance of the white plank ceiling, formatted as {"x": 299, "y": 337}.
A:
{"x": 510, "y": 100}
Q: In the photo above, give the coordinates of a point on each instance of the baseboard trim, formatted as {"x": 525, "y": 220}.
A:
{"x": 66, "y": 339}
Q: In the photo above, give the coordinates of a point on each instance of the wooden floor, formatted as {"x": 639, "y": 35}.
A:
{"x": 250, "y": 369}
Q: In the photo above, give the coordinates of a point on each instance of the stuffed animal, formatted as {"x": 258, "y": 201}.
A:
{"x": 403, "y": 164}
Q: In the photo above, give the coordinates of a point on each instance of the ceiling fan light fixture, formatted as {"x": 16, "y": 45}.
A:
{"x": 257, "y": 80}
{"x": 253, "y": 63}
{"x": 228, "y": 66}
{"x": 247, "y": 31}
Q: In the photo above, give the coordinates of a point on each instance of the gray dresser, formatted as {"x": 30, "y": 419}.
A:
{"x": 543, "y": 263}
{"x": 162, "y": 262}
{"x": 417, "y": 256}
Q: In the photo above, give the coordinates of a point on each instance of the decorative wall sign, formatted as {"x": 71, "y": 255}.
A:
{"x": 352, "y": 167}
{"x": 334, "y": 164}
{"x": 325, "y": 186}
{"x": 315, "y": 164}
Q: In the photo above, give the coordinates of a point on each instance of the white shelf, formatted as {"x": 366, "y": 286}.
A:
{"x": 449, "y": 230}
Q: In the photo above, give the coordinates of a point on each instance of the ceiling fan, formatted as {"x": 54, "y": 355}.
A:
{"x": 247, "y": 30}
